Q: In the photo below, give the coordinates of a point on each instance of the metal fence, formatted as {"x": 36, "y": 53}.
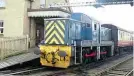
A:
{"x": 13, "y": 45}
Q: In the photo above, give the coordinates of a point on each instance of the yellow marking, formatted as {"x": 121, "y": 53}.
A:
{"x": 60, "y": 31}
{"x": 53, "y": 48}
{"x": 60, "y": 39}
{"x": 47, "y": 33}
{"x": 49, "y": 37}
{"x": 49, "y": 25}
{"x": 54, "y": 40}
{"x": 54, "y": 32}
{"x": 61, "y": 24}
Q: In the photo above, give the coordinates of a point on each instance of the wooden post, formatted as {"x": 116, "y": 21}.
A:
{"x": 0, "y": 49}
{"x": 27, "y": 43}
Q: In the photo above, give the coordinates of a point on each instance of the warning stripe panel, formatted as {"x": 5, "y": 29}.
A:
{"x": 61, "y": 24}
{"x": 60, "y": 30}
{"x": 55, "y": 32}
{"x": 54, "y": 40}
{"x": 49, "y": 24}
{"x": 49, "y": 31}
{"x": 49, "y": 38}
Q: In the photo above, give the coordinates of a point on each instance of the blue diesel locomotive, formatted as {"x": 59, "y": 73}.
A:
{"x": 75, "y": 40}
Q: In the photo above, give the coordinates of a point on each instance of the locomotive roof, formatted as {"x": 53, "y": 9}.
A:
{"x": 91, "y": 18}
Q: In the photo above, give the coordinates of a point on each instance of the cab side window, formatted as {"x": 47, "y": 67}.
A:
{"x": 95, "y": 26}
{"x": 72, "y": 30}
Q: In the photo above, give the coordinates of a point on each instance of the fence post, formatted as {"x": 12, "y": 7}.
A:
{"x": 27, "y": 42}
{"x": 0, "y": 49}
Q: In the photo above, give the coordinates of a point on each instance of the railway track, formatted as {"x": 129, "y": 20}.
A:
{"x": 41, "y": 71}
{"x": 77, "y": 71}
{"x": 82, "y": 71}
{"x": 123, "y": 69}
{"x": 21, "y": 71}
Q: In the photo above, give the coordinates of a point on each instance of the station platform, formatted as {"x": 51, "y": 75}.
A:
{"x": 18, "y": 59}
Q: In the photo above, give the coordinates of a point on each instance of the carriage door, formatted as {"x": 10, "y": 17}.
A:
{"x": 39, "y": 33}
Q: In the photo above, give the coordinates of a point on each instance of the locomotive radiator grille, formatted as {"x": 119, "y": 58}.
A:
{"x": 55, "y": 32}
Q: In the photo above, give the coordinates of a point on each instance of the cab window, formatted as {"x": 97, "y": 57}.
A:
{"x": 95, "y": 26}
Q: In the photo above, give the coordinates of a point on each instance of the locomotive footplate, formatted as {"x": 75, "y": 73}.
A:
{"x": 87, "y": 43}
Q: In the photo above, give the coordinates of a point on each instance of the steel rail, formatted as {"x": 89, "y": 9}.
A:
{"x": 59, "y": 72}
{"x": 81, "y": 68}
{"x": 25, "y": 71}
{"x": 129, "y": 73}
{"x": 107, "y": 71}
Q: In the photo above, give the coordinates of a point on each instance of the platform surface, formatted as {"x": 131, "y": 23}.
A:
{"x": 17, "y": 59}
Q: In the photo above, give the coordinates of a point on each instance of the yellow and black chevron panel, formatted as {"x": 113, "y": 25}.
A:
{"x": 54, "y": 31}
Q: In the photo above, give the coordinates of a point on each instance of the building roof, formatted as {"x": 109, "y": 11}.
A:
{"x": 48, "y": 12}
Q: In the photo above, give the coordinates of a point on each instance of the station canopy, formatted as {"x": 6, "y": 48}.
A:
{"x": 48, "y": 12}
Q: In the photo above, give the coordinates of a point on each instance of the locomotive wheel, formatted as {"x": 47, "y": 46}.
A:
{"x": 83, "y": 56}
{"x": 103, "y": 57}
{"x": 85, "y": 60}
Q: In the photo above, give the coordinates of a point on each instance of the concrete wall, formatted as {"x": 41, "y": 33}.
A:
{"x": 13, "y": 15}
{"x": 29, "y": 27}
{"x": 54, "y": 1}
{"x": 33, "y": 33}
{"x": 36, "y": 3}
{"x": 16, "y": 20}
{"x": 26, "y": 19}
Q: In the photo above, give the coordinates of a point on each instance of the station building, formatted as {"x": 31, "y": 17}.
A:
{"x": 26, "y": 17}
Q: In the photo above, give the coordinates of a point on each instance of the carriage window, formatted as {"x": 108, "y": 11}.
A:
{"x": 95, "y": 27}
{"x": 122, "y": 33}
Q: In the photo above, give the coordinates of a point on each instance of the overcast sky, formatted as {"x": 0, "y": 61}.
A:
{"x": 120, "y": 15}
